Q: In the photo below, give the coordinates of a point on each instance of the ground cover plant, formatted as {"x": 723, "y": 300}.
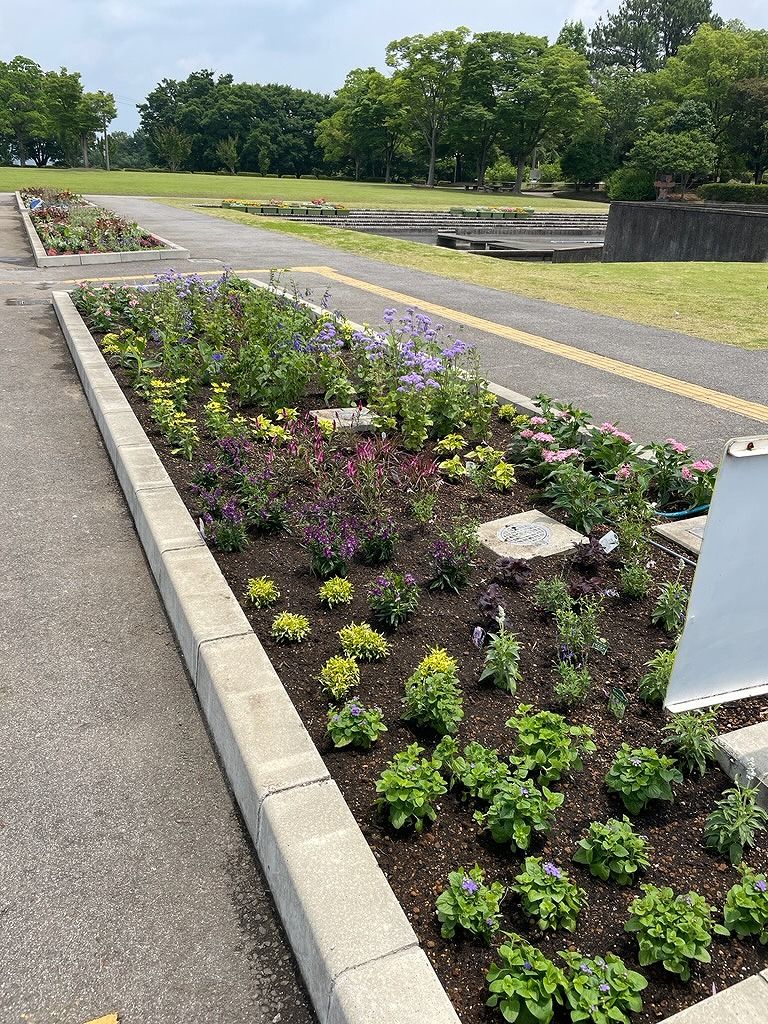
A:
{"x": 67, "y": 224}
{"x": 497, "y": 773}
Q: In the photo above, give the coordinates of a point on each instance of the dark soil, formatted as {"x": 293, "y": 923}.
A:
{"x": 417, "y": 866}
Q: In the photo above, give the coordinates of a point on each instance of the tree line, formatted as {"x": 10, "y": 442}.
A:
{"x": 657, "y": 86}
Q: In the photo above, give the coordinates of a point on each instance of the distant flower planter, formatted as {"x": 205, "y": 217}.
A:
{"x": 269, "y": 211}
{"x": 314, "y": 211}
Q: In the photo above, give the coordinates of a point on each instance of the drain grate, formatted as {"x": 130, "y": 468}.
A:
{"x": 27, "y": 302}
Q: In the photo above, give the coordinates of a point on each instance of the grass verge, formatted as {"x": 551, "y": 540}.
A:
{"x": 723, "y": 302}
{"x": 217, "y": 186}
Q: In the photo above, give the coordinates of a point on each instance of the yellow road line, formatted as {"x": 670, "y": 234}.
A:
{"x": 151, "y": 277}
{"x": 639, "y": 374}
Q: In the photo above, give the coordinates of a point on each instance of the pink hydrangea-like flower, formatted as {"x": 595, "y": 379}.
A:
{"x": 702, "y": 465}
{"x": 526, "y": 434}
{"x": 676, "y": 446}
{"x": 687, "y": 475}
{"x": 623, "y": 472}
{"x": 561, "y": 456}
{"x": 538, "y": 421}
{"x": 543, "y": 437}
{"x": 607, "y": 428}
{"x": 622, "y": 436}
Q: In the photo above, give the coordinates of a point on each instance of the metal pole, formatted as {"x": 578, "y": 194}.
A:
{"x": 106, "y": 144}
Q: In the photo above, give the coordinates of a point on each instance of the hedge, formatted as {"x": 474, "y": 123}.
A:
{"x": 735, "y": 193}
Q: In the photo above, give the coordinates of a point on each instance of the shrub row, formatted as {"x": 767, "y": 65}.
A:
{"x": 734, "y": 193}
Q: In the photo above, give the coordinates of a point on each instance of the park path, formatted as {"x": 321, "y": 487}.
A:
{"x": 357, "y": 284}
{"x": 128, "y": 882}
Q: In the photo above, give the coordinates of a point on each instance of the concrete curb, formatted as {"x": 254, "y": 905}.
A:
{"x": 743, "y": 754}
{"x": 356, "y": 950}
{"x": 42, "y": 259}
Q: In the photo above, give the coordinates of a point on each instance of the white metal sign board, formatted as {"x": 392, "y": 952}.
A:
{"x": 723, "y": 652}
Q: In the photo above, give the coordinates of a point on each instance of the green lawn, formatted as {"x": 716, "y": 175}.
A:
{"x": 216, "y": 186}
{"x": 719, "y": 301}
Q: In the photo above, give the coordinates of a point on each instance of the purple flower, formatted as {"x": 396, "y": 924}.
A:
{"x": 761, "y": 885}
{"x": 355, "y": 711}
{"x": 551, "y": 870}
{"x": 468, "y": 885}
{"x": 523, "y": 791}
{"x": 586, "y": 969}
{"x": 217, "y": 357}
{"x": 478, "y": 636}
{"x": 604, "y": 987}
{"x": 389, "y": 315}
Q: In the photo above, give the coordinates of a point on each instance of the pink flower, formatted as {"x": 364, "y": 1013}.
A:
{"x": 526, "y": 434}
{"x": 561, "y": 456}
{"x": 538, "y": 421}
{"x": 676, "y": 446}
{"x": 702, "y": 465}
{"x": 622, "y": 436}
{"x": 607, "y": 428}
{"x": 624, "y": 471}
{"x": 687, "y": 475}
{"x": 543, "y": 438}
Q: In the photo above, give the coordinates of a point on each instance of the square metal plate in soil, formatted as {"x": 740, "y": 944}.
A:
{"x": 358, "y": 420}
{"x": 688, "y": 533}
{"x": 527, "y": 535}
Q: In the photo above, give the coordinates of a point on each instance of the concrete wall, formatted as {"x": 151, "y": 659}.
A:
{"x": 662, "y": 232}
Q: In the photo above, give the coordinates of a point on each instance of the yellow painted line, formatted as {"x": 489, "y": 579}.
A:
{"x": 639, "y": 374}
{"x": 111, "y": 1018}
{"x": 200, "y": 273}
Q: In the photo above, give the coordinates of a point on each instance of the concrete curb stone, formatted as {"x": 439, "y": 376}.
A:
{"x": 743, "y": 754}
{"x": 346, "y": 927}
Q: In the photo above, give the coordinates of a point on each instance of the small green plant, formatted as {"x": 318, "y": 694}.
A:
{"x": 519, "y": 810}
{"x": 453, "y": 469}
{"x": 733, "y": 825}
{"x": 692, "y": 738}
{"x": 480, "y": 771}
{"x": 335, "y": 591}
{"x": 501, "y": 477}
{"x": 578, "y": 632}
{"x": 573, "y": 684}
{"x": 601, "y": 990}
{"x": 354, "y": 725}
{"x": 548, "y": 895}
{"x": 613, "y": 851}
{"x": 578, "y": 494}
{"x": 641, "y": 774}
{"x": 669, "y": 610}
{"x": 653, "y": 686}
{"x": 362, "y": 642}
{"x": 288, "y": 627}
{"x": 433, "y": 697}
{"x": 261, "y": 592}
{"x": 449, "y": 444}
{"x": 671, "y": 929}
{"x": 468, "y": 903}
{"x": 393, "y": 597}
{"x": 339, "y": 676}
{"x": 553, "y": 596}
{"x": 549, "y": 746}
{"x": 408, "y": 788}
{"x": 453, "y": 556}
{"x": 508, "y": 414}
{"x": 635, "y": 579}
{"x": 746, "y": 905}
{"x": 525, "y": 986}
{"x": 423, "y": 507}
{"x": 502, "y": 659}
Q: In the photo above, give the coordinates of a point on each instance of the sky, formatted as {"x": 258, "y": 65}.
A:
{"x": 127, "y": 46}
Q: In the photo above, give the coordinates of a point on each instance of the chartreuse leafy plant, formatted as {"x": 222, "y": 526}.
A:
{"x": 613, "y": 851}
{"x": 289, "y": 627}
{"x": 653, "y": 686}
{"x": 261, "y": 592}
{"x": 519, "y": 810}
{"x": 548, "y": 895}
{"x": 641, "y": 774}
{"x": 469, "y": 904}
{"x": 339, "y": 676}
{"x": 601, "y": 990}
{"x": 354, "y": 725}
{"x": 363, "y": 642}
{"x": 502, "y": 659}
{"x": 408, "y": 788}
{"x": 692, "y": 738}
{"x": 433, "y": 697}
{"x": 335, "y": 591}
{"x": 548, "y": 745}
{"x": 746, "y": 905}
{"x": 733, "y": 825}
{"x": 671, "y": 929}
{"x": 526, "y": 987}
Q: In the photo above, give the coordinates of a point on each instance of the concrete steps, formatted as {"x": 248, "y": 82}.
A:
{"x": 398, "y": 222}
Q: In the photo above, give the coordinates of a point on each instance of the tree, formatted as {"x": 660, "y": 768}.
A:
{"x": 642, "y": 34}
{"x": 682, "y": 154}
{"x": 748, "y": 132}
{"x": 429, "y": 68}
{"x": 173, "y": 146}
{"x": 624, "y": 99}
{"x": 574, "y": 36}
{"x": 226, "y": 150}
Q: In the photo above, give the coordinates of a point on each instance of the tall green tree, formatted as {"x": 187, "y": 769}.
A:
{"x": 429, "y": 69}
{"x": 173, "y": 146}
{"x": 574, "y": 36}
{"x": 642, "y": 34}
{"x": 748, "y": 125}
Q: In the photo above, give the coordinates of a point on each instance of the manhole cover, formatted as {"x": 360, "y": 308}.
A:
{"x": 27, "y": 302}
{"x": 530, "y": 534}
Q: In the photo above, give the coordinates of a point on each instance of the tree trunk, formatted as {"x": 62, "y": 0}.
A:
{"x": 387, "y": 169}
{"x": 84, "y": 141}
{"x": 519, "y": 176}
{"x": 357, "y": 169}
{"x": 432, "y": 160}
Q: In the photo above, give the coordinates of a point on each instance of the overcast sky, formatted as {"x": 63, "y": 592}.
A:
{"x": 127, "y": 46}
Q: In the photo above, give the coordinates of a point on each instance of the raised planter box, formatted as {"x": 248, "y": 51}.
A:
{"x": 42, "y": 259}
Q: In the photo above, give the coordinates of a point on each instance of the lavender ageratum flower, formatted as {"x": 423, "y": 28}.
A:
{"x": 551, "y": 869}
{"x": 355, "y": 711}
{"x": 604, "y": 987}
{"x": 468, "y": 885}
{"x": 761, "y": 885}
{"x": 389, "y": 315}
{"x": 527, "y": 965}
{"x": 523, "y": 791}
{"x": 635, "y": 761}
{"x": 586, "y": 969}
{"x": 217, "y": 357}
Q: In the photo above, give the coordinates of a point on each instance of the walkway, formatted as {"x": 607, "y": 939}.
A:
{"x": 128, "y": 883}
{"x": 644, "y": 410}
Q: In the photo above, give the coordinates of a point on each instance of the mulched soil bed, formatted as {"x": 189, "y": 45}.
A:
{"x": 417, "y": 866}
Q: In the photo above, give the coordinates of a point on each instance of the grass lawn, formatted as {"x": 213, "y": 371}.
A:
{"x": 217, "y": 186}
{"x": 718, "y": 301}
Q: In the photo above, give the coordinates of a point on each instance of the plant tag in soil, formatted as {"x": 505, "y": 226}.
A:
{"x": 617, "y": 702}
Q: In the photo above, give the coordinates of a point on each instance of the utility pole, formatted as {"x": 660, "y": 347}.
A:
{"x": 106, "y": 144}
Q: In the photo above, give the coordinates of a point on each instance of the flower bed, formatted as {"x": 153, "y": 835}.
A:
{"x": 494, "y": 212}
{"x": 357, "y": 563}
{"x": 290, "y": 208}
{"x": 67, "y": 224}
